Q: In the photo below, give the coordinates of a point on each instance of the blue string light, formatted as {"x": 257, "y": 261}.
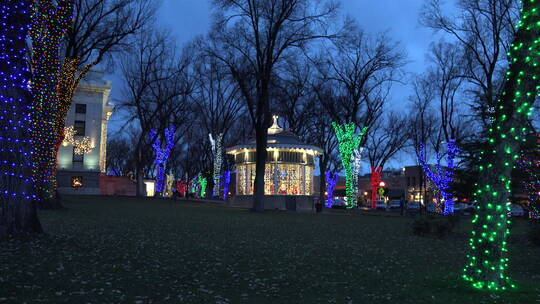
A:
{"x": 331, "y": 180}
{"x": 226, "y": 180}
{"x": 15, "y": 102}
{"x": 162, "y": 154}
{"x": 442, "y": 179}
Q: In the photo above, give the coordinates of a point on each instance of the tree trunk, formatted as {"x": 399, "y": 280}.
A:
{"x": 488, "y": 259}
{"x": 18, "y": 214}
{"x": 139, "y": 173}
{"x": 323, "y": 162}
{"x": 261, "y": 135}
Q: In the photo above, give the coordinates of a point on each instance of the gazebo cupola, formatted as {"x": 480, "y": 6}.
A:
{"x": 289, "y": 164}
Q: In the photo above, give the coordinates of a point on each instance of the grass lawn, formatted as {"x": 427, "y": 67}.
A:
{"x": 128, "y": 250}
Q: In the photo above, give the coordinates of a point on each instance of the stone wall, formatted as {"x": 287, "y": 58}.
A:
{"x": 276, "y": 202}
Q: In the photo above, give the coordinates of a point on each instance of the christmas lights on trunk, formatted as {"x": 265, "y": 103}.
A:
{"x": 442, "y": 178}
{"x": 348, "y": 143}
{"x": 50, "y": 22}
{"x": 162, "y": 154}
{"x": 488, "y": 258}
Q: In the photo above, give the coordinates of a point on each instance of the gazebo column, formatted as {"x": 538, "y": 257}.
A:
{"x": 276, "y": 177}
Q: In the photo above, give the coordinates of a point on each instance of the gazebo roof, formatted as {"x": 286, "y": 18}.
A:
{"x": 277, "y": 138}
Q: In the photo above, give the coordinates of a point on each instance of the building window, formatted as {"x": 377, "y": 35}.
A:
{"x": 77, "y": 158}
{"x": 80, "y": 108}
{"x": 76, "y": 181}
{"x": 80, "y": 127}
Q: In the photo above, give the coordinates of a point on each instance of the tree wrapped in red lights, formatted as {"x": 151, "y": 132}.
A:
{"x": 50, "y": 21}
{"x": 17, "y": 211}
{"x": 375, "y": 182}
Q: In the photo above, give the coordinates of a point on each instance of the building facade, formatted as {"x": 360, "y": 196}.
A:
{"x": 79, "y": 168}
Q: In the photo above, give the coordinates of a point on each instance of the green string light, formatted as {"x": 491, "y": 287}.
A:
{"x": 348, "y": 143}
{"x": 488, "y": 261}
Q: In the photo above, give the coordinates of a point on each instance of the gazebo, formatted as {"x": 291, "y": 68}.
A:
{"x": 289, "y": 164}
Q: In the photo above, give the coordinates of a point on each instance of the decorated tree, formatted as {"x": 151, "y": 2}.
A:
{"x": 50, "y": 21}
{"x": 17, "y": 211}
{"x": 218, "y": 161}
{"x": 488, "y": 258}
{"x": 202, "y": 183}
{"x": 375, "y": 182}
{"x": 529, "y": 164}
{"x": 356, "y": 163}
{"x": 331, "y": 180}
{"x": 348, "y": 143}
{"x": 162, "y": 154}
{"x": 226, "y": 180}
{"x": 442, "y": 177}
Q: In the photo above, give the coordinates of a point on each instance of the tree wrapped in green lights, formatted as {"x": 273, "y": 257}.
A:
{"x": 348, "y": 143}
{"x": 488, "y": 258}
{"x": 50, "y": 21}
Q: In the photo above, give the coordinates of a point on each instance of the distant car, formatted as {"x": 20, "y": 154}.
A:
{"x": 516, "y": 211}
{"x": 339, "y": 203}
{"x": 394, "y": 204}
{"x": 413, "y": 206}
{"x": 380, "y": 205}
{"x": 460, "y": 207}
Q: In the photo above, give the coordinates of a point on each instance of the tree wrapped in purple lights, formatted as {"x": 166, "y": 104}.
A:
{"x": 226, "y": 180}
{"x": 331, "y": 180}
{"x": 442, "y": 178}
{"x": 162, "y": 154}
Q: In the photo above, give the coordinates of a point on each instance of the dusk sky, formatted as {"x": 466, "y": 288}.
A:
{"x": 190, "y": 18}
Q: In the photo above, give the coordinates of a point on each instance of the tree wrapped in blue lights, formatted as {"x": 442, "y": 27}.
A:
{"x": 162, "y": 154}
{"x": 18, "y": 212}
{"x": 442, "y": 178}
{"x": 348, "y": 143}
{"x": 331, "y": 181}
{"x": 488, "y": 259}
{"x": 226, "y": 181}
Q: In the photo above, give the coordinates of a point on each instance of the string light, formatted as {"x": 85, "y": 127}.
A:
{"x": 331, "y": 180}
{"x": 375, "y": 184}
{"x": 356, "y": 160}
{"x": 217, "y": 151}
{"x": 530, "y": 166}
{"x": 488, "y": 258}
{"x": 348, "y": 143}
{"x": 49, "y": 24}
{"x": 226, "y": 181}
{"x": 15, "y": 105}
{"x": 162, "y": 154}
{"x": 81, "y": 145}
{"x": 442, "y": 178}
{"x": 202, "y": 182}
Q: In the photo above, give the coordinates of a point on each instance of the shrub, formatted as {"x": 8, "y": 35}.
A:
{"x": 421, "y": 226}
{"x": 534, "y": 233}
{"x": 436, "y": 227}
